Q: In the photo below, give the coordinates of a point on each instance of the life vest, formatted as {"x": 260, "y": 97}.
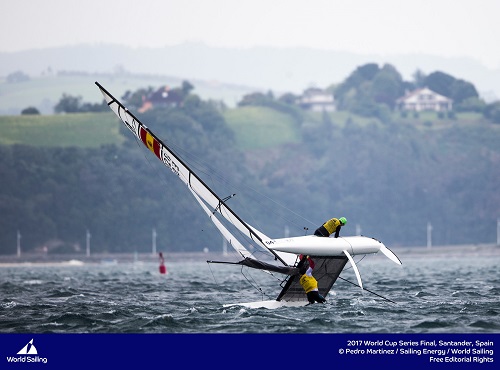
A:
{"x": 331, "y": 225}
{"x": 309, "y": 283}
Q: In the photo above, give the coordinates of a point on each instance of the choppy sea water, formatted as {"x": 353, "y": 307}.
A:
{"x": 433, "y": 294}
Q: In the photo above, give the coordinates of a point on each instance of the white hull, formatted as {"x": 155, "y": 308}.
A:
{"x": 321, "y": 246}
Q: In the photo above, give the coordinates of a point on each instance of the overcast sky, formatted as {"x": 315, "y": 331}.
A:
{"x": 447, "y": 28}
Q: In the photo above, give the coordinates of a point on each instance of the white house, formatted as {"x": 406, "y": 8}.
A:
{"x": 317, "y": 100}
{"x": 424, "y": 99}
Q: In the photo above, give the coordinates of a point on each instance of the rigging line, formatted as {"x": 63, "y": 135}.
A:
{"x": 254, "y": 286}
{"x": 237, "y": 263}
{"x": 222, "y": 201}
{"x": 368, "y": 290}
{"x": 215, "y": 280}
{"x": 162, "y": 176}
{"x": 253, "y": 195}
{"x": 228, "y": 218}
{"x": 213, "y": 173}
{"x": 350, "y": 267}
{"x": 226, "y": 183}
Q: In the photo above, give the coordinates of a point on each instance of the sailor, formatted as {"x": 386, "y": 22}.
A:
{"x": 309, "y": 283}
{"x": 331, "y": 226}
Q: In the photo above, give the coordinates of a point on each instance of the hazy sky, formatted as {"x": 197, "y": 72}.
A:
{"x": 385, "y": 27}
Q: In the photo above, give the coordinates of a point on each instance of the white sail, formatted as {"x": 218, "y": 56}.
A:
{"x": 188, "y": 177}
{"x": 235, "y": 243}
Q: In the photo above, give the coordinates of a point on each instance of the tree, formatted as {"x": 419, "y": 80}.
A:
{"x": 462, "y": 90}
{"x": 186, "y": 88}
{"x": 68, "y": 104}
{"x": 255, "y": 98}
{"x": 94, "y": 107}
{"x": 355, "y": 80}
{"x": 440, "y": 82}
{"x": 288, "y": 98}
{"x": 447, "y": 85}
{"x": 387, "y": 86}
{"x": 471, "y": 105}
{"x": 370, "y": 91}
{"x": 73, "y": 104}
{"x": 18, "y": 76}
{"x": 492, "y": 112}
{"x": 30, "y": 110}
{"x": 419, "y": 78}
{"x": 135, "y": 99}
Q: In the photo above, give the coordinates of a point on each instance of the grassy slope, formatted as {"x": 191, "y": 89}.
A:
{"x": 44, "y": 92}
{"x": 82, "y": 130}
{"x": 255, "y": 127}
{"x": 260, "y": 127}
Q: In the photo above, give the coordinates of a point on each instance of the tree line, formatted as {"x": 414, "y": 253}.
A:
{"x": 372, "y": 91}
{"x": 389, "y": 178}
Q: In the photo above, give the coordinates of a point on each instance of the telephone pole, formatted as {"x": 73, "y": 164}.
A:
{"x": 18, "y": 244}
{"x": 154, "y": 242}
{"x": 429, "y": 235}
{"x": 88, "y": 236}
{"x": 498, "y": 231}
{"x": 358, "y": 230}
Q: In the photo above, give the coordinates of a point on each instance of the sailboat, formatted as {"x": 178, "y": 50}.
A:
{"x": 330, "y": 254}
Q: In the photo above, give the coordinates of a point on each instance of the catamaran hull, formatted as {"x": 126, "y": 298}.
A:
{"x": 320, "y": 246}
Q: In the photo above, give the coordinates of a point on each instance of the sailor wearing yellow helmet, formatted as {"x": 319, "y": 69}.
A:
{"x": 331, "y": 226}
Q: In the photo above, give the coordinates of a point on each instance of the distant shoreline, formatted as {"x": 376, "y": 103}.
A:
{"x": 38, "y": 259}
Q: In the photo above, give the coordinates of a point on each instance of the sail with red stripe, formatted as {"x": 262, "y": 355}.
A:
{"x": 210, "y": 202}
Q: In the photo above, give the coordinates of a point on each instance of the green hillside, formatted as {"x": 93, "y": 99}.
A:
{"x": 44, "y": 92}
{"x": 389, "y": 177}
{"x": 85, "y": 130}
{"x": 254, "y": 127}
{"x": 261, "y": 127}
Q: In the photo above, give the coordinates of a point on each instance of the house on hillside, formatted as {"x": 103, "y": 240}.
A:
{"x": 161, "y": 97}
{"x": 317, "y": 100}
{"x": 424, "y": 100}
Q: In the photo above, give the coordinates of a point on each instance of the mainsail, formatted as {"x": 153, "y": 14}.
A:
{"x": 210, "y": 202}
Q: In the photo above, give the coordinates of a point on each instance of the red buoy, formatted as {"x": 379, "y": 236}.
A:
{"x": 163, "y": 268}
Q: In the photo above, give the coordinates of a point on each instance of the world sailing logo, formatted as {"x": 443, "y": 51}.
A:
{"x": 28, "y": 349}
{"x": 26, "y": 352}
